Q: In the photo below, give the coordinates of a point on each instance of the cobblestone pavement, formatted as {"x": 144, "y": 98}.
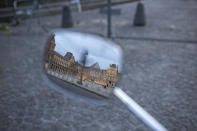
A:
{"x": 160, "y": 73}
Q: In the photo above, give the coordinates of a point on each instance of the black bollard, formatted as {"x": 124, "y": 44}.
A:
{"x": 66, "y": 17}
{"x": 139, "y": 19}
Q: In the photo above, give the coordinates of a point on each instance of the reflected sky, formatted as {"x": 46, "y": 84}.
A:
{"x": 99, "y": 50}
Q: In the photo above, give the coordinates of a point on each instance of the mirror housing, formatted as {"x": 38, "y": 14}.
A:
{"x": 83, "y": 60}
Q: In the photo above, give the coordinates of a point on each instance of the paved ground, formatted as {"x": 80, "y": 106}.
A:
{"x": 160, "y": 73}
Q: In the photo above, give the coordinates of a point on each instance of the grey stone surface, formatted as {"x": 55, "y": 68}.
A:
{"x": 159, "y": 73}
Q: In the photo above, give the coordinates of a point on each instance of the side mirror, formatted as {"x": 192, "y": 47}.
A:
{"x": 89, "y": 66}
{"x": 83, "y": 61}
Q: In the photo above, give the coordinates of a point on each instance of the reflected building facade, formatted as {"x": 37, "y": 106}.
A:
{"x": 67, "y": 65}
{"x": 63, "y": 64}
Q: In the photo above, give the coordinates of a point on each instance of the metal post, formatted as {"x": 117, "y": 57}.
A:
{"x": 84, "y": 55}
{"x": 78, "y": 2}
{"x": 109, "y": 19}
{"x": 79, "y": 6}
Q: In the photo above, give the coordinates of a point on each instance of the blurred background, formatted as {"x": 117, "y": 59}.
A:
{"x": 158, "y": 39}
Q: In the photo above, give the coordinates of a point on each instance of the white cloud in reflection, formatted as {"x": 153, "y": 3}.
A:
{"x": 99, "y": 50}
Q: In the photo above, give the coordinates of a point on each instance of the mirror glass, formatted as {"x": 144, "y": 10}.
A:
{"x": 83, "y": 62}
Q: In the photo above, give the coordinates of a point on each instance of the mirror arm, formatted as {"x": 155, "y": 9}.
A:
{"x": 138, "y": 110}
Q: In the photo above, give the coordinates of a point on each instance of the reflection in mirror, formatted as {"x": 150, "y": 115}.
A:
{"x": 83, "y": 60}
